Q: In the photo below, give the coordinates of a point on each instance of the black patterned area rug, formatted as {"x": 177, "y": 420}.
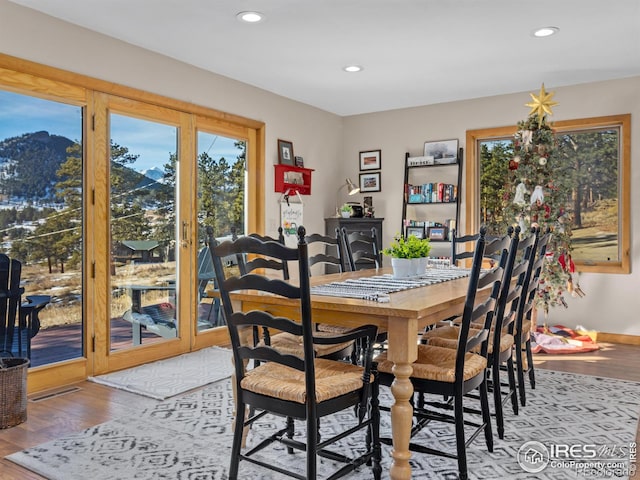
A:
{"x": 571, "y": 417}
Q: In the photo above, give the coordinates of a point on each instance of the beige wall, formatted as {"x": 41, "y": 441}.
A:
{"x": 330, "y": 144}
{"x": 612, "y": 301}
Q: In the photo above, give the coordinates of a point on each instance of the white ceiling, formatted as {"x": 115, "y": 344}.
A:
{"x": 414, "y": 52}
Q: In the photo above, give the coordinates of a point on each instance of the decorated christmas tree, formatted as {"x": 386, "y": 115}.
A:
{"x": 538, "y": 193}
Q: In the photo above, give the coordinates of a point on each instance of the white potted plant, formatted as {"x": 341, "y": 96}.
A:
{"x": 346, "y": 210}
{"x": 408, "y": 255}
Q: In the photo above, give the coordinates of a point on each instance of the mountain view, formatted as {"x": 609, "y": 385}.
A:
{"x": 29, "y": 164}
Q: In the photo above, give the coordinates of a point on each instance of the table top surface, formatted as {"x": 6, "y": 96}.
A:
{"x": 417, "y": 303}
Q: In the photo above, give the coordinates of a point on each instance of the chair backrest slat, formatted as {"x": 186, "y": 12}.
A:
{"x": 362, "y": 249}
{"x": 262, "y": 262}
{"x": 474, "y": 310}
{"x": 516, "y": 279}
{"x": 332, "y": 253}
{"x": 530, "y": 291}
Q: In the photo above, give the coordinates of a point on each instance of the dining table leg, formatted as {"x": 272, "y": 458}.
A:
{"x": 402, "y": 351}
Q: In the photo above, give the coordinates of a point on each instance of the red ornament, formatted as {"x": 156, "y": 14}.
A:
{"x": 562, "y": 260}
{"x": 547, "y": 211}
{"x": 513, "y": 165}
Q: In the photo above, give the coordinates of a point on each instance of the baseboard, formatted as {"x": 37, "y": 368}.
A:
{"x": 618, "y": 338}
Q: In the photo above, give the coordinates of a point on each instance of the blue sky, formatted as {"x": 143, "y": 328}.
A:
{"x": 152, "y": 141}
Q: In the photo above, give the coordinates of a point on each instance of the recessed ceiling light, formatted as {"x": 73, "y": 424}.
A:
{"x": 250, "y": 17}
{"x": 545, "y": 31}
{"x": 353, "y": 68}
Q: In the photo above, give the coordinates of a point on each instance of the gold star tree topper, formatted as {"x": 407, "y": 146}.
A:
{"x": 541, "y": 104}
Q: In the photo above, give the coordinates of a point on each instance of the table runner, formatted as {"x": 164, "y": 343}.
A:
{"x": 378, "y": 287}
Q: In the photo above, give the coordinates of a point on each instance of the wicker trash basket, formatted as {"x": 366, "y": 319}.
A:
{"x": 13, "y": 391}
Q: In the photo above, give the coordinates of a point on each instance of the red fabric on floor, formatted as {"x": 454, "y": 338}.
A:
{"x": 559, "y": 339}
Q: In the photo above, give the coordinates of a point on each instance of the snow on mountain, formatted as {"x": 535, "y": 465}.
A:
{"x": 154, "y": 173}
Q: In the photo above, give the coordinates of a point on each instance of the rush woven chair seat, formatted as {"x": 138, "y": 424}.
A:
{"x": 447, "y": 337}
{"x": 307, "y": 388}
{"x": 453, "y": 374}
{"x": 294, "y": 344}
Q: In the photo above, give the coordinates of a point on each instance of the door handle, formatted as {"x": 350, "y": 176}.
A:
{"x": 185, "y": 234}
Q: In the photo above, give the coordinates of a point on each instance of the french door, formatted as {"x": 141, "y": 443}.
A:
{"x": 108, "y": 198}
{"x": 143, "y": 234}
{"x": 168, "y": 176}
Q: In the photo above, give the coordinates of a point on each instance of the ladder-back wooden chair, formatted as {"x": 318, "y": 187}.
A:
{"x": 454, "y": 373}
{"x": 362, "y": 249}
{"x": 523, "y": 354}
{"x": 303, "y": 387}
{"x": 500, "y": 342}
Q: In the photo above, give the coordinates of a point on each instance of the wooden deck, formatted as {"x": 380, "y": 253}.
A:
{"x": 64, "y": 342}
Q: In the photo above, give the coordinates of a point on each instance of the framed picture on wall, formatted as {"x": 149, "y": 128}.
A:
{"x": 370, "y": 182}
{"x": 285, "y": 152}
{"x": 371, "y": 160}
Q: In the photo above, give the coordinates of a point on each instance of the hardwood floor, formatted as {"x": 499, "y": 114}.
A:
{"x": 92, "y": 404}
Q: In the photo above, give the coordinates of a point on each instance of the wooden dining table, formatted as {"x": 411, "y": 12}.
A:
{"x": 403, "y": 316}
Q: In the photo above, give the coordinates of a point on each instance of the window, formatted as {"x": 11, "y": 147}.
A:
{"x": 41, "y": 213}
{"x": 596, "y": 151}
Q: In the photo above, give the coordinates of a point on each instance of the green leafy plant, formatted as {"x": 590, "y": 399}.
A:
{"x": 346, "y": 208}
{"x": 410, "y": 247}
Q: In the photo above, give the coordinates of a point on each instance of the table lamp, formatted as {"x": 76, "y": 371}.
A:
{"x": 351, "y": 190}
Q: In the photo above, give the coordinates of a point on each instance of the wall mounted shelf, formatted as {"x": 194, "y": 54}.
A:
{"x": 292, "y": 179}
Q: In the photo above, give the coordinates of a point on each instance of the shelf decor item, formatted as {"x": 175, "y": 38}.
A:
{"x": 437, "y": 233}
{"x": 285, "y": 152}
{"x": 371, "y": 160}
{"x": 415, "y": 231}
{"x": 443, "y": 151}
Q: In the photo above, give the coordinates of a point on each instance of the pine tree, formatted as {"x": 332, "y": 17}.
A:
{"x": 538, "y": 192}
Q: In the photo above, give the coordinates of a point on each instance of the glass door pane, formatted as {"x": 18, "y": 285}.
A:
{"x": 142, "y": 232}
{"x": 221, "y": 207}
{"x": 41, "y": 221}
